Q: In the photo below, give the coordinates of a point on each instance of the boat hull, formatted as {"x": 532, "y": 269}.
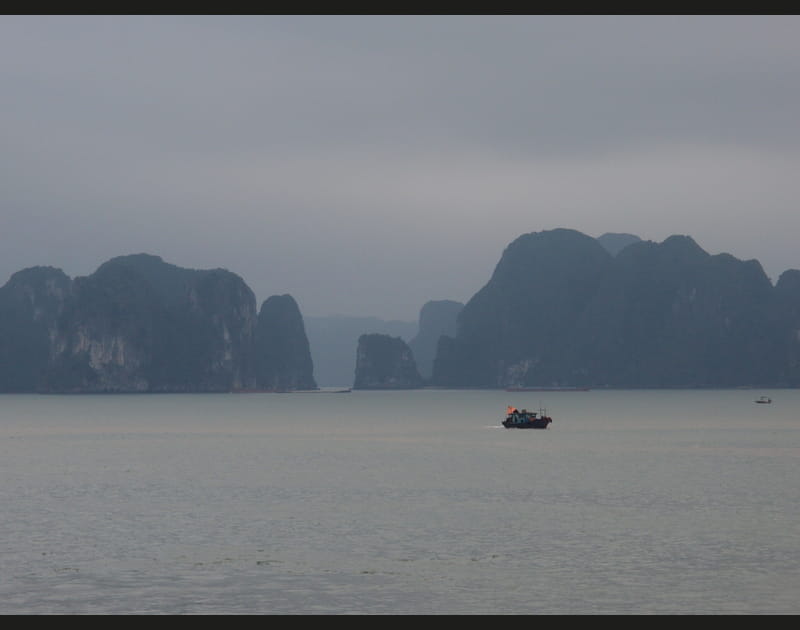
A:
{"x": 538, "y": 423}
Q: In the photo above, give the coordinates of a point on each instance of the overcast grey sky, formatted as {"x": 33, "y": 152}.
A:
{"x": 368, "y": 164}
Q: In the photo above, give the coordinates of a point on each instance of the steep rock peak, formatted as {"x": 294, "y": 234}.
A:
{"x": 283, "y": 356}
{"x": 683, "y": 245}
{"x": 40, "y": 277}
{"x": 554, "y": 253}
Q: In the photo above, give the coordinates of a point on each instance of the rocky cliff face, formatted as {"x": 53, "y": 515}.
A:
{"x": 436, "y": 318}
{"x": 560, "y": 310}
{"x": 283, "y": 357}
{"x": 519, "y": 325}
{"x": 671, "y": 315}
{"x": 384, "y": 362}
{"x": 31, "y": 305}
{"x": 137, "y": 324}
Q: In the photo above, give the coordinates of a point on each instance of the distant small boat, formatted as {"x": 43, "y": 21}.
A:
{"x": 524, "y": 419}
{"x": 764, "y": 400}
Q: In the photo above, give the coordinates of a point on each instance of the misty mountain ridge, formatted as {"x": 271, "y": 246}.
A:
{"x": 560, "y": 309}
{"x": 138, "y": 324}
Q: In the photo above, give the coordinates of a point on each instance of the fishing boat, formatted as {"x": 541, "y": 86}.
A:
{"x": 524, "y": 419}
{"x": 764, "y": 400}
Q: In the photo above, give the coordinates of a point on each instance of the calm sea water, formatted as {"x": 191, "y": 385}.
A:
{"x": 632, "y": 502}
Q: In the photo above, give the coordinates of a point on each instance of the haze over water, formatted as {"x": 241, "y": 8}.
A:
{"x": 671, "y": 502}
{"x": 367, "y": 164}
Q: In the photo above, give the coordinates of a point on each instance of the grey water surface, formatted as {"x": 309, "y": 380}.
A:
{"x": 412, "y": 502}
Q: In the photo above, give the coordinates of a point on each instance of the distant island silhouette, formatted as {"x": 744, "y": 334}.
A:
{"x": 561, "y": 310}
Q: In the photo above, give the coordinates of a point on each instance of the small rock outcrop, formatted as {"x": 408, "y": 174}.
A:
{"x": 333, "y": 338}
{"x": 283, "y": 358}
{"x": 385, "y": 362}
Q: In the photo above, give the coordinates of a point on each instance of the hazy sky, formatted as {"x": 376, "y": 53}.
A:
{"x": 368, "y": 164}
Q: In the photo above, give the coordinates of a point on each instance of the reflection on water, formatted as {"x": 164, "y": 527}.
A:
{"x": 401, "y": 502}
